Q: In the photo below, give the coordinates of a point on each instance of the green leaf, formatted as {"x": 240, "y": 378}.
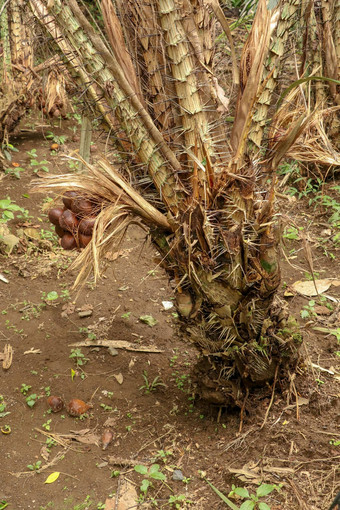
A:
{"x": 248, "y": 505}
{"x": 52, "y": 296}
{"x": 141, "y": 469}
{"x": 241, "y": 491}
{"x": 8, "y": 215}
{"x": 263, "y": 506}
{"x": 148, "y": 319}
{"x": 145, "y": 485}
{"x": 4, "y": 203}
{"x": 158, "y": 476}
{"x": 222, "y": 496}
{"x": 154, "y": 468}
{"x": 14, "y": 207}
{"x": 264, "y": 489}
{"x": 304, "y": 314}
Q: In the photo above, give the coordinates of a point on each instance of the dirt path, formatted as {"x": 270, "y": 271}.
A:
{"x": 152, "y": 423}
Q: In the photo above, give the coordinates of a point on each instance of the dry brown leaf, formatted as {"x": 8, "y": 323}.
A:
{"x": 247, "y": 474}
{"x": 322, "y": 310}
{"x": 112, "y": 256}
{"x": 68, "y": 309}
{"x": 83, "y": 436}
{"x": 119, "y": 378}
{"x": 110, "y": 422}
{"x": 307, "y": 288}
{"x": 45, "y": 452}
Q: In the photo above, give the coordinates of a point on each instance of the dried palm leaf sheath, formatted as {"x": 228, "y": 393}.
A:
{"x": 281, "y": 24}
{"x": 218, "y": 238}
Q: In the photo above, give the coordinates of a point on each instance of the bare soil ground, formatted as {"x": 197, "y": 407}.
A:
{"x": 295, "y": 446}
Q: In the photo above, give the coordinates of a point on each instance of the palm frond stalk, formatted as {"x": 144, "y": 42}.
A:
{"x": 210, "y": 211}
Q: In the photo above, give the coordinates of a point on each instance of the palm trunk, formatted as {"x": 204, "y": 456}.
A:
{"x": 219, "y": 241}
{"x": 16, "y": 57}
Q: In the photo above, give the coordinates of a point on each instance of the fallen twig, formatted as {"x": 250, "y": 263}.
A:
{"x": 117, "y": 344}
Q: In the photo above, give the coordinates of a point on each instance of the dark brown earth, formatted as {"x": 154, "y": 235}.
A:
{"x": 297, "y": 447}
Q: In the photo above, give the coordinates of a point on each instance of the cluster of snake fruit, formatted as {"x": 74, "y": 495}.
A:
{"x": 75, "y": 221}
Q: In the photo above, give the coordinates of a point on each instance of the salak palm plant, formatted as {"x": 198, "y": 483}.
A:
{"x": 205, "y": 194}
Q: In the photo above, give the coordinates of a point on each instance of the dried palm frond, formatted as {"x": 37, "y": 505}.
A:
{"x": 57, "y": 101}
{"x": 314, "y": 145}
{"x": 115, "y": 34}
{"x": 251, "y": 69}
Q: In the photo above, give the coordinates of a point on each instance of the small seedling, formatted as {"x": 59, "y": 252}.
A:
{"x": 50, "y": 297}
{"x": 292, "y": 233}
{"x": 252, "y": 501}
{"x": 3, "y": 411}
{"x": 153, "y": 473}
{"x": 148, "y": 386}
{"x": 25, "y": 388}
{"x": 78, "y": 357}
{"x": 8, "y": 208}
{"x": 163, "y": 455}
{"x": 308, "y": 310}
{"x": 34, "y": 467}
{"x": 106, "y": 407}
{"x": 15, "y": 171}
{"x": 50, "y": 443}
{"x": 59, "y": 139}
{"x": 114, "y": 474}
{"x": 47, "y": 425}
{"x": 32, "y": 399}
{"x": 89, "y": 334}
{"x": 177, "y": 501}
{"x": 39, "y": 165}
{"x": 6, "y": 149}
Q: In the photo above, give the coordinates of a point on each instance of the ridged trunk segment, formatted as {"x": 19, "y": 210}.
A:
{"x": 194, "y": 122}
{"x": 124, "y": 105}
{"x": 21, "y": 35}
{"x": 6, "y": 60}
